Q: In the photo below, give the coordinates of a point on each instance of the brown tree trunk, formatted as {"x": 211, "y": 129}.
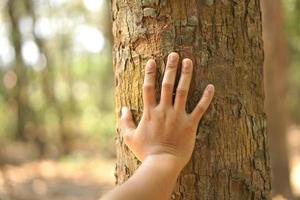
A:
{"x": 276, "y": 63}
{"x": 224, "y": 39}
{"x": 23, "y": 110}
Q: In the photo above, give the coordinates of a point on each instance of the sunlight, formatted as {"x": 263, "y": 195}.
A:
{"x": 93, "y": 5}
{"x": 26, "y": 26}
{"x": 294, "y": 142}
{"x": 41, "y": 63}
{"x": 4, "y": 28}
{"x": 44, "y": 28}
{"x": 56, "y": 3}
{"x": 88, "y": 38}
{"x": 2, "y": 4}
{"x": 295, "y": 177}
{"x": 7, "y": 52}
{"x": 30, "y": 53}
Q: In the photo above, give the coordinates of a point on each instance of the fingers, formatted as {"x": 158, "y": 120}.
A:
{"x": 127, "y": 125}
{"x": 183, "y": 85}
{"x": 169, "y": 79}
{"x": 149, "y": 85}
{"x": 203, "y": 103}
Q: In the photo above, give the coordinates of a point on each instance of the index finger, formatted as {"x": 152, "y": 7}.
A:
{"x": 149, "y": 85}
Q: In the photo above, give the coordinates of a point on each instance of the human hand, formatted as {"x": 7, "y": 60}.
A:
{"x": 166, "y": 130}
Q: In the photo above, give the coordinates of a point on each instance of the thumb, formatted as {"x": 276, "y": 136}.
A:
{"x": 127, "y": 125}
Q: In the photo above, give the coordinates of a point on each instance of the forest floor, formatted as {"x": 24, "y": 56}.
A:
{"x": 48, "y": 180}
{"x": 293, "y": 141}
{"x": 88, "y": 178}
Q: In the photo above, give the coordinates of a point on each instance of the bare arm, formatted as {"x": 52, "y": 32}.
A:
{"x": 165, "y": 137}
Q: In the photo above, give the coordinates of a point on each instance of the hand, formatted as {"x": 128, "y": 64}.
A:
{"x": 166, "y": 130}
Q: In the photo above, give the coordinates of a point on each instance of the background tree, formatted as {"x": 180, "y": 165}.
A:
{"x": 224, "y": 39}
{"x": 276, "y": 65}
{"x": 21, "y": 91}
{"x": 292, "y": 30}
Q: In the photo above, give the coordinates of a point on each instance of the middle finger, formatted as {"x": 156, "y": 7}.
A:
{"x": 169, "y": 79}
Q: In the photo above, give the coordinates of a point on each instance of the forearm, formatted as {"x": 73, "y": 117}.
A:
{"x": 155, "y": 179}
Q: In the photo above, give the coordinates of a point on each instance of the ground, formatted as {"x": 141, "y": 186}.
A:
{"x": 48, "y": 180}
{"x": 82, "y": 178}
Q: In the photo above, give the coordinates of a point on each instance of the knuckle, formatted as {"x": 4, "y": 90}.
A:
{"x": 161, "y": 113}
{"x": 148, "y": 87}
{"x": 150, "y": 72}
{"x": 162, "y": 116}
{"x": 186, "y": 70}
{"x": 167, "y": 87}
{"x": 171, "y": 66}
{"x": 181, "y": 92}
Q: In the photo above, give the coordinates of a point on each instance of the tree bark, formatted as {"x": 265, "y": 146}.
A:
{"x": 224, "y": 39}
{"x": 276, "y": 63}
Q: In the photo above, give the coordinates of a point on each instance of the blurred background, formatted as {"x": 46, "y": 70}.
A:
{"x": 57, "y": 101}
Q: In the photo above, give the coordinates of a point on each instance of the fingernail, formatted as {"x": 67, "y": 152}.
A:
{"x": 151, "y": 64}
{"x": 124, "y": 110}
{"x": 173, "y": 56}
{"x": 210, "y": 88}
{"x": 187, "y": 61}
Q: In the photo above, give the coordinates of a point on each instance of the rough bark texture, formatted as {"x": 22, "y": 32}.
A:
{"x": 276, "y": 63}
{"x": 224, "y": 39}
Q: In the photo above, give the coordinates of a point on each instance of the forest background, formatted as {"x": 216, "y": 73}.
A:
{"x": 57, "y": 120}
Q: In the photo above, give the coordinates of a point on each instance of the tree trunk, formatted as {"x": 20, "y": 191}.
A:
{"x": 276, "y": 63}
{"x": 23, "y": 110}
{"x": 224, "y": 39}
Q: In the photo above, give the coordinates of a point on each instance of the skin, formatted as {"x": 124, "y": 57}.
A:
{"x": 165, "y": 137}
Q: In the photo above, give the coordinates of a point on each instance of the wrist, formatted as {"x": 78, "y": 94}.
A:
{"x": 165, "y": 161}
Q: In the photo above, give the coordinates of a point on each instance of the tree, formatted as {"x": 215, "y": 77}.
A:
{"x": 224, "y": 39}
{"x": 23, "y": 110}
{"x": 276, "y": 63}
